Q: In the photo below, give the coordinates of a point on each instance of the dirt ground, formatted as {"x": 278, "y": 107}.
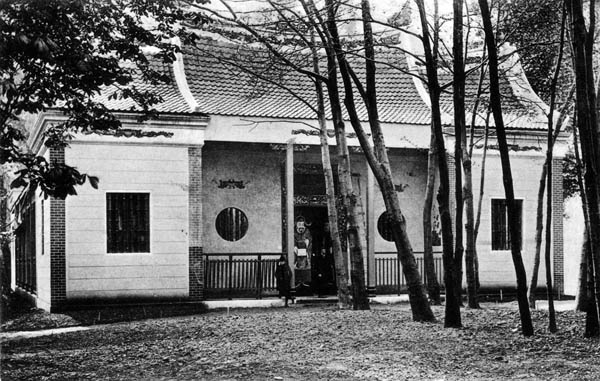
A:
{"x": 309, "y": 343}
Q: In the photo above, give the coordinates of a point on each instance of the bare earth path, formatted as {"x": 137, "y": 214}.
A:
{"x": 303, "y": 343}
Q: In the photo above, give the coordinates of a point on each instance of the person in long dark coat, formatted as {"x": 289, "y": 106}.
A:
{"x": 283, "y": 277}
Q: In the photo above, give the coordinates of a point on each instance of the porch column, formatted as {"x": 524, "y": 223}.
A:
{"x": 371, "y": 269}
{"x": 58, "y": 263}
{"x": 557, "y": 227}
{"x": 196, "y": 262}
{"x": 289, "y": 185}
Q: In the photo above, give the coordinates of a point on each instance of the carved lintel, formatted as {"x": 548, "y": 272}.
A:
{"x": 330, "y": 133}
{"x": 131, "y": 133}
{"x": 278, "y": 147}
{"x": 511, "y": 147}
{"x": 283, "y": 147}
{"x": 307, "y": 168}
{"x": 232, "y": 184}
{"x": 301, "y": 147}
{"x": 314, "y": 200}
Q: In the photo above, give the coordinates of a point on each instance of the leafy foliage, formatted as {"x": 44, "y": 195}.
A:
{"x": 570, "y": 184}
{"x": 61, "y": 54}
{"x": 533, "y": 26}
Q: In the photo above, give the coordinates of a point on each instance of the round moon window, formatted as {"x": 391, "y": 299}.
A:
{"x": 384, "y": 226}
{"x": 231, "y": 224}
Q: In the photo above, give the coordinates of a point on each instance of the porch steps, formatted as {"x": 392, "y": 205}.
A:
{"x": 314, "y": 300}
{"x": 381, "y": 299}
{"x": 300, "y": 301}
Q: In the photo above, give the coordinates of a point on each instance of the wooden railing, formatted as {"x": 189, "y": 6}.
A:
{"x": 390, "y": 277}
{"x": 240, "y": 275}
{"x": 253, "y": 275}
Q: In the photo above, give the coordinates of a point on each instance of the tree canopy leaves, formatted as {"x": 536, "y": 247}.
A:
{"x": 59, "y": 54}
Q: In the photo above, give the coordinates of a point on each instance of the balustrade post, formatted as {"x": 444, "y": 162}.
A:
{"x": 398, "y": 275}
{"x": 206, "y": 279}
{"x": 259, "y": 277}
{"x": 230, "y": 283}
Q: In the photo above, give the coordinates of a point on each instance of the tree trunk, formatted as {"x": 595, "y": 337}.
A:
{"x": 583, "y": 291}
{"x": 379, "y": 163}
{"x": 592, "y": 321}
{"x": 475, "y": 279}
{"x": 481, "y": 192}
{"x": 472, "y": 225}
{"x": 545, "y": 177}
{"x": 470, "y": 252}
{"x": 540, "y": 204}
{"x": 582, "y": 297}
{"x": 360, "y": 297}
{"x": 586, "y": 269}
{"x": 513, "y": 216}
{"x": 433, "y": 287}
{"x": 458, "y": 86}
{"x": 548, "y": 252}
{"x": 551, "y": 139}
{"x": 539, "y": 227}
{"x": 357, "y": 273}
{"x": 587, "y": 122}
{"x": 341, "y": 271}
{"x": 452, "y": 310}
{"x": 357, "y": 267}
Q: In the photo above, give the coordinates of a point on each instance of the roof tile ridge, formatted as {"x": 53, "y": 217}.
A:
{"x": 181, "y": 78}
{"x": 519, "y": 83}
{"x": 408, "y": 42}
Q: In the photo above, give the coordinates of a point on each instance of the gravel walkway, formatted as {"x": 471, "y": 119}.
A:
{"x": 308, "y": 343}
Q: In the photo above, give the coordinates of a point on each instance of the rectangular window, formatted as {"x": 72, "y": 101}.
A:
{"x": 501, "y": 239}
{"x": 128, "y": 222}
{"x": 25, "y": 242}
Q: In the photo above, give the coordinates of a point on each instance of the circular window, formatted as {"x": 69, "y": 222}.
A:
{"x": 231, "y": 224}
{"x": 384, "y": 226}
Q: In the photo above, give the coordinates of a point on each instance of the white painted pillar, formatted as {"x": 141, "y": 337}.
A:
{"x": 371, "y": 223}
{"x": 289, "y": 184}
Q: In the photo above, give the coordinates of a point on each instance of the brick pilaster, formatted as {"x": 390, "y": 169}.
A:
{"x": 557, "y": 225}
{"x": 58, "y": 268}
{"x": 196, "y": 262}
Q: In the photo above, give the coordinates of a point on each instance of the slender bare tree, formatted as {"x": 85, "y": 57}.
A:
{"x": 513, "y": 216}
{"x": 582, "y": 40}
{"x": 452, "y": 309}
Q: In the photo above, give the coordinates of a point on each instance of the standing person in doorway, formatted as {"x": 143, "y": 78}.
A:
{"x": 303, "y": 251}
{"x": 302, "y": 244}
{"x": 283, "y": 277}
{"x": 321, "y": 261}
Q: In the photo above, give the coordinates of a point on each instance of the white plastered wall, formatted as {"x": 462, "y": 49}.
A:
{"x": 496, "y": 267}
{"x": 161, "y": 171}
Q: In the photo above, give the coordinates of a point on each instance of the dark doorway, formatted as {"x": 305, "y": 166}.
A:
{"x": 319, "y": 277}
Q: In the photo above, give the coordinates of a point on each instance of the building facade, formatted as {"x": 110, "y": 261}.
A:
{"x": 201, "y": 202}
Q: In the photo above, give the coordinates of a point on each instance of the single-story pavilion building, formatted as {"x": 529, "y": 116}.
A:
{"x": 201, "y": 202}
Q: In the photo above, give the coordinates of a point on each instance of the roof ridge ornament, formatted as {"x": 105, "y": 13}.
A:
{"x": 181, "y": 79}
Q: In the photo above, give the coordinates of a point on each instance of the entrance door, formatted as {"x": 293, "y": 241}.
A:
{"x": 319, "y": 277}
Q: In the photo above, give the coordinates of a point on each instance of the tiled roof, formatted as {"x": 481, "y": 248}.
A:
{"x": 173, "y": 101}
{"x": 221, "y": 87}
{"x": 219, "y": 84}
{"x": 518, "y": 112}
